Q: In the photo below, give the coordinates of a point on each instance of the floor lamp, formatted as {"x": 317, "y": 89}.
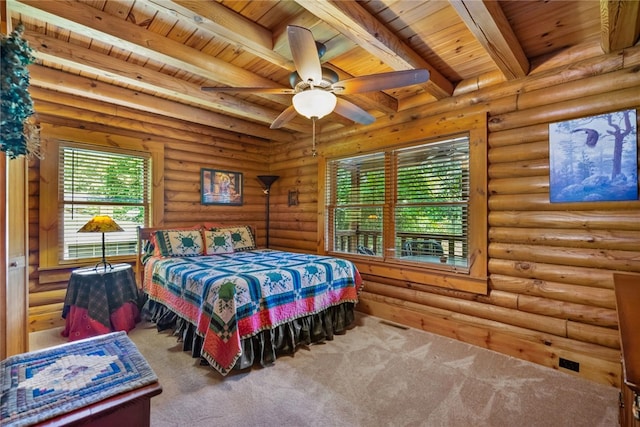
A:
{"x": 267, "y": 180}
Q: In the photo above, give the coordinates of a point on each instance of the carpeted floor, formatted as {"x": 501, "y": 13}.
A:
{"x": 375, "y": 375}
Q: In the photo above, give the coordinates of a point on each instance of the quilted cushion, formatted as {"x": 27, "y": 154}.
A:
{"x": 154, "y": 244}
{"x": 179, "y": 242}
{"x": 217, "y": 242}
{"x": 241, "y": 236}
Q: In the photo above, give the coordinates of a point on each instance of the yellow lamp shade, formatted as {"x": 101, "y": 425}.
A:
{"x": 100, "y": 224}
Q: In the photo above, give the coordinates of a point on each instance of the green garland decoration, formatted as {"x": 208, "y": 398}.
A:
{"x": 18, "y": 134}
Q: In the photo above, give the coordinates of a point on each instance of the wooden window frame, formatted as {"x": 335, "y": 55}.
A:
{"x": 475, "y": 279}
{"x": 49, "y": 257}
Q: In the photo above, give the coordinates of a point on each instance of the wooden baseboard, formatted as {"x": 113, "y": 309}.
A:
{"x": 40, "y": 320}
{"x": 595, "y": 369}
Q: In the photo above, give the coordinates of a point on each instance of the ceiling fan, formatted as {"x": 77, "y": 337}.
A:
{"x": 314, "y": 87}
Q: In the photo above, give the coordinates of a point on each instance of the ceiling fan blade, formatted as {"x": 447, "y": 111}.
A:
{"x": 287, "y": 115}
{"x": 353, "y": 112}
{"x": 382, "y": 81}
{"x": 305, "y": 54}
{"x": 272, "y": 90}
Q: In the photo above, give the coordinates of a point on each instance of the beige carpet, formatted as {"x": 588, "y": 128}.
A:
{"x": 375, "y": 375}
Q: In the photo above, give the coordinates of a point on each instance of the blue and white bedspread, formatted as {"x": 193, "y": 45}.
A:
{"x": 229, "y": 297}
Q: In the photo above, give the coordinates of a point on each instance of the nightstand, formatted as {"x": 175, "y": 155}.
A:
{"x": 99, "y": 301}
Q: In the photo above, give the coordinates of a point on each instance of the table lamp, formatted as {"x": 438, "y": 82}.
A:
{"x": 101, "y": 224}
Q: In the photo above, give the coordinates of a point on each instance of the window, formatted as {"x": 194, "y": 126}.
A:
{"x": 93, "y": 182}
{"x": 407, "y": 204}
{"x": 355, "y": 205}
{"x": 117, "y": 175}
{"x": 431, "y": 203}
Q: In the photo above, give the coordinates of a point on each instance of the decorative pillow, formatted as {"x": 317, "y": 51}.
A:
{"x": 217, "y": 242}
{"x": 179, "y": 242}
{"x": 154, "y": 243}
{"x": 241, "y": 236}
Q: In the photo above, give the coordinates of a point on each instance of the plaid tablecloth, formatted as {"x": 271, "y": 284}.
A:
{"x": 100, "y": 301}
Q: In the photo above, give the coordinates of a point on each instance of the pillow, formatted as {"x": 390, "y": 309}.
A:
{"x": 179, "y": 242}
{"x": 241, "y": 236}
{"x": 154, "y": 243}
{"x": 217, "y": 242}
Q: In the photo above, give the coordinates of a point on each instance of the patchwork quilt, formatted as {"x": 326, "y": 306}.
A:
{"x": 229, "y": 297}
{"x": 43, "y": 384}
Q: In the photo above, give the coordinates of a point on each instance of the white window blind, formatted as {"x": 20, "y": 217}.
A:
{"x": 357, "y": 202}
{"x": 101, "y": 182}
{"x": 416, "y": 196}
{"x": 431, "y": 205}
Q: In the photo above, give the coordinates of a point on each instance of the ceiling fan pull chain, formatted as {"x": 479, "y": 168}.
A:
{"x": 314, "y": 153}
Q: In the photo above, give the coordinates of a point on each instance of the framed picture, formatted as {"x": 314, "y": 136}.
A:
{"x": 594, "y": 159}
{"x": 293, "y": 197}
{"x": 218, "y": 187}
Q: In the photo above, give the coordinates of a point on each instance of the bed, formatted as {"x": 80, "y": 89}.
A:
{"x": 233, "y": 304}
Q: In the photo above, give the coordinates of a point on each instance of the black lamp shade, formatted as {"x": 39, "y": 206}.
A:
{"x": 267, "y": 180}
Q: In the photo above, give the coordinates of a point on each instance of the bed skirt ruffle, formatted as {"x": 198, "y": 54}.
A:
{"x": 266, "y": 345}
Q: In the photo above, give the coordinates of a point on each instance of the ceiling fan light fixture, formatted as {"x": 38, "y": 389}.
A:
{"x": 314, "y": 103}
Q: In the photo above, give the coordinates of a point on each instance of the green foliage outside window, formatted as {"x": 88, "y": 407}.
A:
{"x": 418, "y": 194}
{"x": 97, "y": 182}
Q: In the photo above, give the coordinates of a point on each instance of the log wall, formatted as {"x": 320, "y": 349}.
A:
{"x": 187, "y": 148}
{"x": 550, "y": 266}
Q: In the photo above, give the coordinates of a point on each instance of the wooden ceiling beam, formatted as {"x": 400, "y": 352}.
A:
{"x": 64, "y": 82}
{"x": 95, "y": 63}
{"x": 487, "y": 22}
{"x": 620, "y": 24}
{"x": 89, "y": 22}
{"x": 362, "y": 28}
{"x": 233, "y": 28}
{"x": 49, "y": 103}
{"x": 236, "y": 30}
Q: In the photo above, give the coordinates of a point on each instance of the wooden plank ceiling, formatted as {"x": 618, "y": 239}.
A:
{"x": 168, "y": 49}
